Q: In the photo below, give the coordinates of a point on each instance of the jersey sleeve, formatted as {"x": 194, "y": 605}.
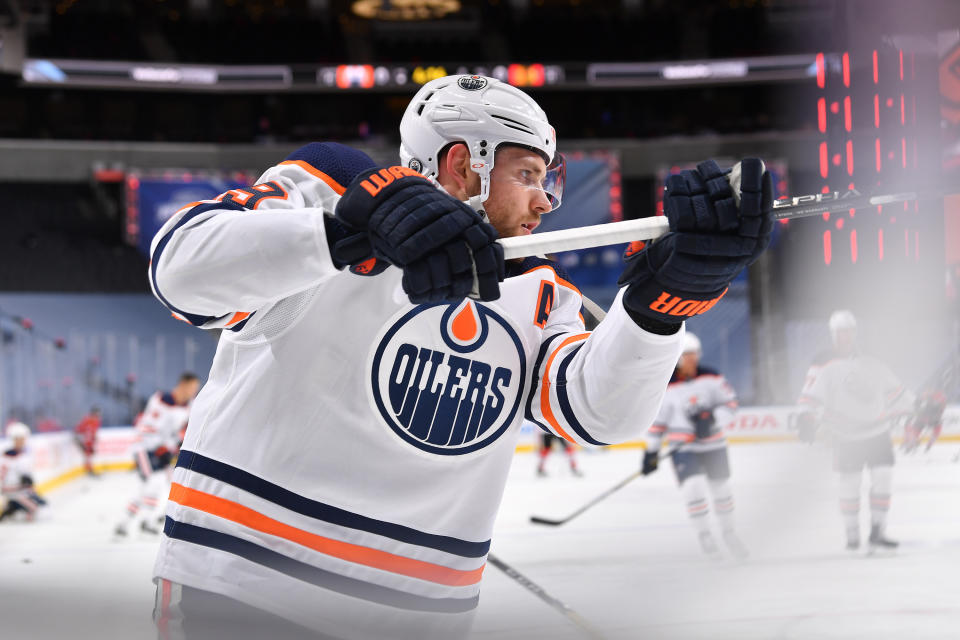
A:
{"x": 653, "y": 439}
{"x": 600, "y": 387}
{"x": 814, "y": 392}
{"x": 216, "y": 262}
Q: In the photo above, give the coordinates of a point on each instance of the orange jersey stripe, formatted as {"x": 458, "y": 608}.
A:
{"x": 333, "y": 184}
{"x": 357, "y": 554}
{"x": 545, "y": 407}
{"x": 237, "y": 317}
{"x": 560, "y": 281}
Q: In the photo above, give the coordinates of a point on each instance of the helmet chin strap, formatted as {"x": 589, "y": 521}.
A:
{"x": 474, "y": 202}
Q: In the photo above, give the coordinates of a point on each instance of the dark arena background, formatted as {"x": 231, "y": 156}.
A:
{"x": 113, "y": 115}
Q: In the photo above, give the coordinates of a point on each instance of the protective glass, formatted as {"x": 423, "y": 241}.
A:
{"x": 551, "y": 184}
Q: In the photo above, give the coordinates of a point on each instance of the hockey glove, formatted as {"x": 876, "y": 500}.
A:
{"x": 444, "y": 248}
{"x": 650, "y": 461}
{"x": 807, "y": 427}
{"x": 719, "y": 224}
{"x": 703, "y": 422}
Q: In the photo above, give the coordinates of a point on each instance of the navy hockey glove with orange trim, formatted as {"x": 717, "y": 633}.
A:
{"x": 719, "y": 224}
{"x": 445, "y": 249}
{"x": 651, "y": 460}
{"x": 703, "y": 421}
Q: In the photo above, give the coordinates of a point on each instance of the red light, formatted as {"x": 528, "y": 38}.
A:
{"x": 847, "y": 120}
{"x": 901, "y": 64}
{"x": 880, "y": 245}
{"x": 535, "y": 75}
{"x": 846, "y": 69}
{"x": 826, "y": 215}
{"x": 822, "y": 114}
{"x": 614, "y": 192}
{"x": 876, "y": 111}
{"x": 821, "y": 72}
{"x": 836, "y": 159}
{"x": 827, "y": 252}
{"x": 133, "y": 182}
{"x": 824, "y": 165}
{"x": 879, "y": 159}
{"x": 903, "y": 111}
{"x": 834, "y": 107}
{"x": 850, "y": 157}
{"x": 853, "y": 246}
{"x": 839, "y": 223}
{"x": 853, "y": 213}
{"x": 876, "y": 71}
{"x": 826, "y": 189}
{"x": 889, "y": 103}
{"x": 903, "y": 153}
{"x": 355, "y": 75}
{"x": 517, "y": 75}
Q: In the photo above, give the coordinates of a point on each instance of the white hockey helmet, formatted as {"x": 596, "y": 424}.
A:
{"x": 841, "y": 320}
{"x": 691, "y": 343}
{"x": 483, "y": 113}
{"x": 17, "y": 430}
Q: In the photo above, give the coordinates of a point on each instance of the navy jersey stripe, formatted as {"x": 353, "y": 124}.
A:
{"x": 564, "y": 401}
{"x": 313, "y": 509}
{"x": 194, "y": 319}
{"x": 535, "y": 383}
{"x": 311, "y": 574}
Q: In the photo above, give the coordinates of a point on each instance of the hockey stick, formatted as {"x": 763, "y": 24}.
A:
{"x": 620, "y": 485}
{"x": 538, "y": 591}
{"x": 598, "y": 235}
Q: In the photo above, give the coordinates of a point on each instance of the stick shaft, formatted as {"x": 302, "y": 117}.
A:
{"x": 538, "y": 591}
{"x": 633, "y": 476}
{"x": 598, "y": 235}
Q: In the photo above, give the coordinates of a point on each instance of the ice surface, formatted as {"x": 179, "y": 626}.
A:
{"x": 631, "y": 565}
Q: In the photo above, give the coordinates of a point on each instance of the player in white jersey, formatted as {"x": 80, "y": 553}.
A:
{"x": 345, "y": 460}
{"x": 857, "y": 400}
{"x": 159, "y": 429}
{"x": 698, "y": 403}
{"x": 16, "y": 476}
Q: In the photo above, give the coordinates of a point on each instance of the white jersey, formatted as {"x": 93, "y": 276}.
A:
{"x": 160, "y": 424}
{"x": 346, "y": 458}
{"x": 855, "y": 396}
{"x": 14, "y": 465}
{"x": 707, "y": 390}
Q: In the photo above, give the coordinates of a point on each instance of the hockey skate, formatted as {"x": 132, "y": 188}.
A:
{"x": 736, "y": 547}
{"x": 709, "y": 544}
{"x": 146, "y": 527}
{"x": 879, "y": 542}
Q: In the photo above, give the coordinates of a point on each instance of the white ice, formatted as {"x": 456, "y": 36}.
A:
{"x": 630, "y": 566}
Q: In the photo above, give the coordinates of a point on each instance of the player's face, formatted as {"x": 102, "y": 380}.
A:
{"x": 845, "y": 340}
{"x": 516, "y": 200}
{"x": 688, "y": 364}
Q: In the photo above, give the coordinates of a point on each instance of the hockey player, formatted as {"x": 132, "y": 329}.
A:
{"x": 158, "y": 438}
{"x": 16, "y": 475}
{"x": 858, "y": 401}
{"x": 85, "y": 435}
{"x": 344, "y": 462}
{"x": 698, "y": 403}
{"x": 546, "y": 445}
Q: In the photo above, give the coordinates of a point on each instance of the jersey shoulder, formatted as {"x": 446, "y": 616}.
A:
{"x": 11, "y": 453}
{"x": 338, "y": 161}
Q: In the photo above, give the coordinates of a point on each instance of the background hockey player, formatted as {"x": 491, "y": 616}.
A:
{"x": 158, "y": 431}
{"x": 547, "y": 442}
{"x": 16, "y": 475}
{"x": 698, "y": 403}
{"x": 858, "y": 401}
{"x": 85, "y": 435}
{"x": 345, "y": 461}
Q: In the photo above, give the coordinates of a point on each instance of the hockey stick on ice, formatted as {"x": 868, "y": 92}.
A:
{"x": 620, "y": 485}
{"x": 651, "y": 228}
{"x": 538, "y": 591}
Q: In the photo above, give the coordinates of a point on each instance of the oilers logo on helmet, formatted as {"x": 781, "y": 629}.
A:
{"x": 472, "y": 83}
{"x": 448, "y": 378}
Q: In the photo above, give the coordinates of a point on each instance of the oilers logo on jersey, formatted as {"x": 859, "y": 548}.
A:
{"x": 456, "y": 391}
